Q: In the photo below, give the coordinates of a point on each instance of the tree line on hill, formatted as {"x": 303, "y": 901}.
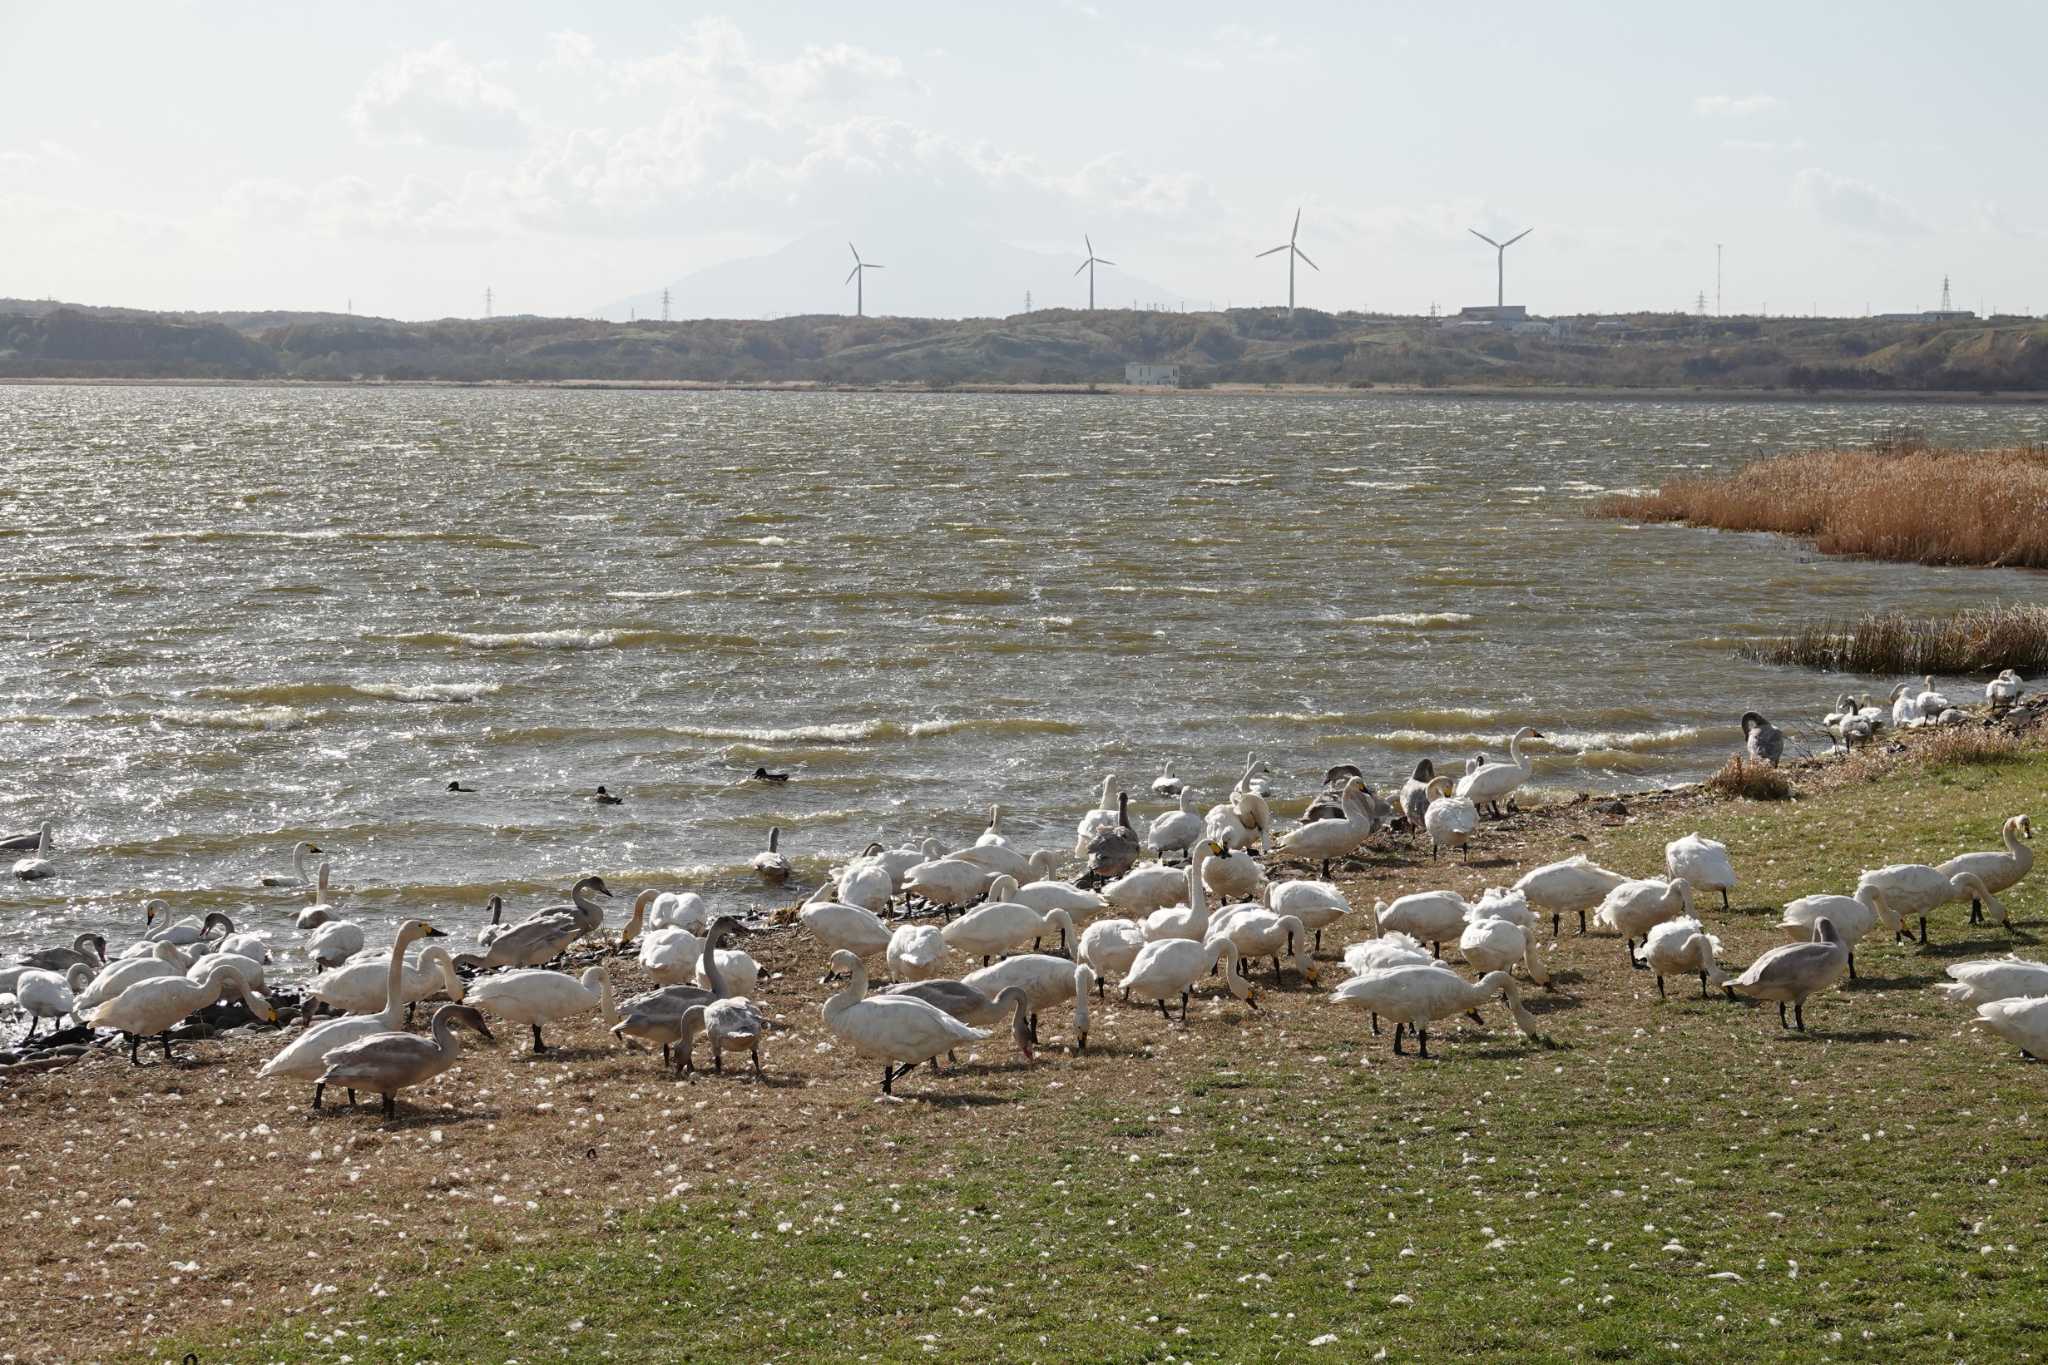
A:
{"x": 1053, "y": 346}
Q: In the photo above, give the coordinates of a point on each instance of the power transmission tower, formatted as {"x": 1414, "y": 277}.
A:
{"x": 487, "y": 300}
{"x": 1027, "y": 300}
{"x": 1717, "y": 279}
{"x": 1945, "y": 306}
{"x": 664, "y": 305}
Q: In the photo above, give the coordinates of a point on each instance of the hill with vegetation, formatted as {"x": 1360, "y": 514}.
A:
{"x": 1052, "y": 346}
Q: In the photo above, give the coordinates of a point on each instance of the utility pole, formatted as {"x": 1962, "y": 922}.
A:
{"x": 1717, "y": 279}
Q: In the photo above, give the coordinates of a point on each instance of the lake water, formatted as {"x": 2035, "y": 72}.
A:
{"x": 235, "y": 618}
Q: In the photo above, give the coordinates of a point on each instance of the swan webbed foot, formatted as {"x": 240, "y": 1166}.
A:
{"x": 1422, "y": 1042}
{"x": 538, "y": 1045}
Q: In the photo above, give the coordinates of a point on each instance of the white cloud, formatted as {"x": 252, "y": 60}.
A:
{"x": 436, "y": 96}
{"x": 1735, "y": 106}
{"x": 715, "y": 64}
{"x": 1762, "y": 146}
{"x": 1853, "y": 204}
{"x": 1231, "y": 46}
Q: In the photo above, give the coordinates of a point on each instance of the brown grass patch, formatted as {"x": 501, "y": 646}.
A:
{"x": 1981, "y": 641}
{"x": 1741, "y": 778}
{"x": 1973, "y": 745}
{"x": 1896, "y": 502}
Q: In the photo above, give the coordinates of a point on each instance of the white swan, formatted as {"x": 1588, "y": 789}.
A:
{"x": 305, "y": 1057}
{"x": 999, "y": 925}
{"x": 1318, "y": 905}
{"x": 679, "y": 910}
{"x": 1575, "y": 885}
{"x": 1097, "y": 821}
{"x": 1110, "y": 946}
{"x": 1914, "y": 889}
{"x": 740, "y": 971}
{"x": 1682, "y": 945}
{"x": 545, "y": 934}
{"x": 537, "y": 997}
{"x": 1450, "y": 820}
{"x": 1327, "y": 840}
{"x": 1150, "y": 886}
{"x": 1171, "y": 966}
{"x": 916, "y": 952}
{"x": 1001, "y": 860}
{"x": 1257, "y": 932}
{"x": 1190, "y": 919}
{"x": 1177, "y": 830}
{"x": 900, "y": 1029}
{"x": 1854, "y": 916}
{"x": 2023, "y": 1023}
{"x": 119, "y": 975}
{"x": 671, "y": 956}
{"x": 1490, "y": 782}
{"x": 1997, "y": 978}
{"x": 248, "y": 968}
{"x": 1248, "y": 798}
{"x": 1391, "y": 949}
{"x": 948, "y": 883}
{"x": 657, "y": 1016}
{"x": 23, "y": 843}
{"x": 1234, "y": 874}
{"x": 1168, "y": 786}
{"x": 1794, "y": 972}
{"x": 1905, "y": 706}
{"x": 843, "y": 927}
{"x": 1633, "y": 907}
{"x": 1414, "y": 996}
{"x": 360, "y": 985}
{"x": 301, "y": 851}
{"x": 37, "y": 866}
{"x": 2000, "y": 870}
{"x": 50, "y": 995}
{"x": 867, "y": 882}
{"x": 151, "y": 1008}
{"x": 1433, "y": 917}
{"x": 1490, "y": 943}
{"x": 1045, "y": 981}
{"x": 390, "y": 1062}
{"x": 769, "y": 864}
{"x": 1929, "y": 701}
{"x": 1704, "y": 864}
{"x": 1046, "y": 896}
{"x": 2004, "y": 690}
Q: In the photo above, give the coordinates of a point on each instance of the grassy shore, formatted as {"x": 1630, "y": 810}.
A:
{"x": 1979, "y": 508}
{"x": 1662, "y": 1179}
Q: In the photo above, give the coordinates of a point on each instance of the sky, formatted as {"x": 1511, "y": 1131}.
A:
{"x": 403, "y": 158}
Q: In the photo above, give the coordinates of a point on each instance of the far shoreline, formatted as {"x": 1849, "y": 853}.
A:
{"x": 1559, "y": 393}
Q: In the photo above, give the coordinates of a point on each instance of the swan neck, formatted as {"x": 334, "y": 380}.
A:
{"x": 712, "y": 975}
{"x": 1227, "y": 950}
{"x": 394, "y": 983}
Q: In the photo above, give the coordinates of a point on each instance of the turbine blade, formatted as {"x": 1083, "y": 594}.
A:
{"x": 1483, "y": 237}
{"x": 870, "y": 265}
{"x": 1284, "y": 246}
{"x": 1517, "y": 237}
{"x": 1084, "y": 265}
{"x": 1100, "y": 261}
{"x": 1311, "y": 264}
{"x": 856, "y": 254}
{"x": 1091, "y": 245}
{"x": 850, "y": 274}
{"x": 1297, "y": 226}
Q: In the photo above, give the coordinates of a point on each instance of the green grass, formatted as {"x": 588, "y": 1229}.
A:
{"x": 1873, "y": 1187}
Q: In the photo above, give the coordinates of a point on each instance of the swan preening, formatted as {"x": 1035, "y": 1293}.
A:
{"x": 37, "y": 866}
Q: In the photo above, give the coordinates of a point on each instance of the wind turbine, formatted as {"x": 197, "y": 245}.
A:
{"x": 1292, "y": 251}
{"x": 1500, "y": 285}
{"x": 858, "y": 279}
{"x": 1089, "y": 266}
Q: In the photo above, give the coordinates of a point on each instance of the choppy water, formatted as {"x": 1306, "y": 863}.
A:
{"x": 234, "y": 618}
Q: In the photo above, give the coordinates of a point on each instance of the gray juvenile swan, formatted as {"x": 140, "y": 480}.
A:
{"x": 1792, "y": 973}
{"x": 390, "y": 1062}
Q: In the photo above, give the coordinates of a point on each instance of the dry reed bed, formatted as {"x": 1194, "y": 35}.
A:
{"x": 1985, "y": 508}
{"x": 1980, "y": 641}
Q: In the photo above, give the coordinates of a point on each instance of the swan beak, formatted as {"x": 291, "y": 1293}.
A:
{"x": 1252, "y": 998}
{"x": 432, "y": 932}
{"x": 1311, "y": 975}
{"x": 314, "y": 848}
{"x": 1080, "y": 1045}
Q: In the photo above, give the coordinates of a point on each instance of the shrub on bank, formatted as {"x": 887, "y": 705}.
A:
{"x": 1888, "y": 642}
{"x": 1750, "y": 781}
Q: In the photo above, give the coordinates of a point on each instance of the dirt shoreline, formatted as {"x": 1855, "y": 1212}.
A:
{"x": 159, "y": 1200}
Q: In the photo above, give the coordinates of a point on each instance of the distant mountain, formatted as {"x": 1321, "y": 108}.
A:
{"x": 957, "y": 276}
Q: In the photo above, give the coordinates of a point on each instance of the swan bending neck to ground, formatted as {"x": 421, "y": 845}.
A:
{"x": 901, "y": 1030}
{"x": 306, "y": 1057}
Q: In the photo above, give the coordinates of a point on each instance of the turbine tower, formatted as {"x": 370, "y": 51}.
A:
{"x": 857, "y": 277}
{"x": 1500, "y": 250}
{"x": 1089, "y": 266}
{"x": 1292, "y": 251}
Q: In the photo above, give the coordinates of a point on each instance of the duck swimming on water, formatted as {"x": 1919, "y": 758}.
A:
{"x": 763, "y": 775}
{"x": 605, "y": 798}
